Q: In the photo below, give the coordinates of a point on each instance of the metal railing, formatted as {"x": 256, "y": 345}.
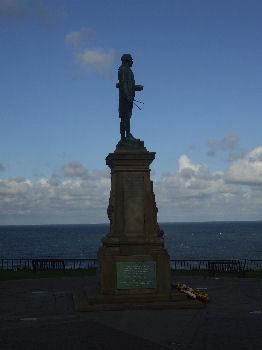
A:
{"x": 198, "y": 265}
{"x": 26, "y": 264}
{"x": 90, "y": 263}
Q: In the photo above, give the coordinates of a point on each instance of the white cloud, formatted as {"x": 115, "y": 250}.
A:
{"x": 192, "y": 193}
{"x": 236, "y": 155}
{"x": 74, "y": 169}
{"x": 96, "y": 59}
{"x": 52, "y": 200}
{"x": 193, "y": 181}
{"x": 185, "y": 163}
{"x": 247, "y": 171}
{"x": 90, "y": 59}
{"x": 14, "y": 186}
{"x": 78, "y": 38}
{"x": 21, "y": 9}
{"x": 228, "y": 142}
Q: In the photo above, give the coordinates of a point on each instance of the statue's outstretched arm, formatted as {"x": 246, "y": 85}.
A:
{"x": 139, "y": 87}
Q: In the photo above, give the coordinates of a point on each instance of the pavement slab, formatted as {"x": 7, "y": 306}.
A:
{"x": 226, "y": 322}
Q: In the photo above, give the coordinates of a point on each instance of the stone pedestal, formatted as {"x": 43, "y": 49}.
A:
{"x": 134, "y": 268}
{"x": 135, "y": 238}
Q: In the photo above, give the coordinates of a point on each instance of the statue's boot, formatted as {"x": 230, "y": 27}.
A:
{"x": 130, "y": 136}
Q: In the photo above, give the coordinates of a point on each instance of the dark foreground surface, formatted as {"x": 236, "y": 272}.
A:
{"x": 226, "y": 322}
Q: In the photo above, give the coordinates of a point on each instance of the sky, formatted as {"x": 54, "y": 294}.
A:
{"x": 200, "y": 64}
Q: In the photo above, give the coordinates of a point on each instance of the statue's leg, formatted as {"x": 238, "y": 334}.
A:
{"x": 127, "y": 126}
{"x": 122, "y": 128}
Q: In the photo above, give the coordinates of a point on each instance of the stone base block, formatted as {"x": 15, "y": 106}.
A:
{"x": 85, "y": 301}
{"x": 132, "y": 274}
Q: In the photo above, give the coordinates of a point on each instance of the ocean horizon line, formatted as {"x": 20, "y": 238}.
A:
{"x": 160, "y": 222}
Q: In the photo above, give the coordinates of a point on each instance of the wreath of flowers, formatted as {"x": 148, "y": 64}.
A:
{"x": 191, "y": 293}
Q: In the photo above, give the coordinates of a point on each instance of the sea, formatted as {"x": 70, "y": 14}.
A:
{"x": 205, "y": 240}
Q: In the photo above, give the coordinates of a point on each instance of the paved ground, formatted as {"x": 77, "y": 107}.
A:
{"x": 226, "y": 323}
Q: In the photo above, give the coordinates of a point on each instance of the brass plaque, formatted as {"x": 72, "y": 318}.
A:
{"x": 136, "y": 275}
{"x": 134, "y": 203}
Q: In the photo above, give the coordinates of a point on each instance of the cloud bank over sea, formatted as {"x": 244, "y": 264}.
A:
{"x": 192, "y": 193}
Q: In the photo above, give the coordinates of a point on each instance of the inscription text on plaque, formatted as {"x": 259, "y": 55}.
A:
{"x": 136, "y": 275}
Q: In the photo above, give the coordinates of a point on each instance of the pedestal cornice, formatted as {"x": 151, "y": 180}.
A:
{"x": 130, "y": 159}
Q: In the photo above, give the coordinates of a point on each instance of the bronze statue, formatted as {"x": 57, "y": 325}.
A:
{"x": 127, "y": 90}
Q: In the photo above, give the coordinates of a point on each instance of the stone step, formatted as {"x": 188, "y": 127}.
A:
{"x": 81, "y": 304}
{"x": 122, "y": 299}
{"x": 177, "y": 301}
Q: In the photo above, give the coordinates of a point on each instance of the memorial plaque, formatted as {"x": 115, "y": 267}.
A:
{"x": 134, "y": 203}
{"x": 136, "y": 275}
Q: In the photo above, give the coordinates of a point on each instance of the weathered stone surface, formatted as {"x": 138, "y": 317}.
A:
{"x": 133, "y": 195}
{"x": 134, "y": 266}
{"x": 132, "y": 209}
{"x": 134, "y": 236}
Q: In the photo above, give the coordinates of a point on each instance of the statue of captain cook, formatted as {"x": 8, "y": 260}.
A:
{"x": 127, "y": 90}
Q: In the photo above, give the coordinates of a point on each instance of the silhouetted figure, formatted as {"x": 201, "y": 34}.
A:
{"x": 127, "y": 90}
